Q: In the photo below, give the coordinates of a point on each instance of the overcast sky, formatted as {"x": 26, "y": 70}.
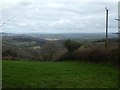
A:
{"x": 58, "y": 16}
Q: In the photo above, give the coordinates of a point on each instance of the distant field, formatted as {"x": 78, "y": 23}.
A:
{"x": 21, "y": 74}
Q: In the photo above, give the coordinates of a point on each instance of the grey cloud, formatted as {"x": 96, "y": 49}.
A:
{"x": 24, "y": 3}
{"x": 60, "y": 17}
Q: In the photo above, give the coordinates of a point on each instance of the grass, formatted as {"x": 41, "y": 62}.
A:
{"x": 23, "y": 74}
{"x": 0, "y": 74}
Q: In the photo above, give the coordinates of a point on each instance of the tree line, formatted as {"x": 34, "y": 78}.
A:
{"x": 69, "y": 50}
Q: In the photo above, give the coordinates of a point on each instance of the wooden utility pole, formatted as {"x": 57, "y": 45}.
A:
{"x": 106, "y": 43}
{"x": 118, "y": 19}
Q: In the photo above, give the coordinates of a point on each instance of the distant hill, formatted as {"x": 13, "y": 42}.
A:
{"x": 64, "y": 36}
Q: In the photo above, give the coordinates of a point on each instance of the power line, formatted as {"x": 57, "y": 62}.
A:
{"x": 2, "y": 24}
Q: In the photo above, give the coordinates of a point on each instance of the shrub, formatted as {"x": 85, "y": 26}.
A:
{"x": 71, "y": 45}
{"x": 93, "y": 55}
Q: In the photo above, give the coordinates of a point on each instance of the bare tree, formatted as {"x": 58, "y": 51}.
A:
{"x": 51, "y": 51}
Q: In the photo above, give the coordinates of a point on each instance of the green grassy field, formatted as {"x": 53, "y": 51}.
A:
{"x": 21, "y": 74}
{"x": 0, "y": 74}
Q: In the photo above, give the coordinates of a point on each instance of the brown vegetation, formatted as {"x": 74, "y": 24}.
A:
{"x": 69, "y": 50}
